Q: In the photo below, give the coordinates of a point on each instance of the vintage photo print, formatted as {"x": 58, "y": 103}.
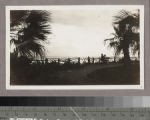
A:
{"x": 75, "y": 47}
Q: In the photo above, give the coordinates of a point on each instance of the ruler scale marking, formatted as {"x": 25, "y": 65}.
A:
{"x": 75, "y": 113}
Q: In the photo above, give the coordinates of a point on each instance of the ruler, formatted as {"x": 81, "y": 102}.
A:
{"x": 73, "y": 113}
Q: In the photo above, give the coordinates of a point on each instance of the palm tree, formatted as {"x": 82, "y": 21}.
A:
{"x": 28, "y": 29}
{"x": 126, "y": 36}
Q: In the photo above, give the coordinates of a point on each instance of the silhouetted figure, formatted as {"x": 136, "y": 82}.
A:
{"x": 46, "y": 61}
{"x": 68, "y": 60}
{"x": 93, "y": 60}
{"x": 42, "y": 62}
{"x": 103, "y": 58}
{"x": 58, "y": 60}
{"x": 89, "y": 60}
{"x": 78, "y": 60}
{"x": 114, "y": 59}
{"x": 37, "y": 61}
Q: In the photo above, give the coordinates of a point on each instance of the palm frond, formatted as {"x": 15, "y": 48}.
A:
{"x": 31, "y": 49}
{"x": 18, "y": 16}
{"x": 121, "y": 16}
{"x": 124, "y": 36}
{"x": 108, "y": 40}
{"x": 34, "y": 28}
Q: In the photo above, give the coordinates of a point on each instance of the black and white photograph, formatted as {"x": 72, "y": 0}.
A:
{"x": 75, "y": 47}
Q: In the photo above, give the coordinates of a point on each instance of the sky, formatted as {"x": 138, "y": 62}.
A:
{"x": 80, "y": 32}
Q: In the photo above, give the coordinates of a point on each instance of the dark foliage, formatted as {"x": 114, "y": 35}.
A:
{"x": 126, "y": 36}
{"x": 28, "y": 29}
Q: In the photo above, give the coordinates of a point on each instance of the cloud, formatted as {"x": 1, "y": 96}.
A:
{"x": 70, "y": 40}
{"x": 80, "y": 32}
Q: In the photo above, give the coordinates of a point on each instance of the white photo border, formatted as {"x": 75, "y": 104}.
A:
{"x": 73, "y": 87}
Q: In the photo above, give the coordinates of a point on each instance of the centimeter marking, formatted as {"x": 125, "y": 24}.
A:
{"x": 75, "y": 113}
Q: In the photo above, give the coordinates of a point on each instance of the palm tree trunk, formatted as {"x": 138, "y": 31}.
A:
{"x": 127, "y": 60}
